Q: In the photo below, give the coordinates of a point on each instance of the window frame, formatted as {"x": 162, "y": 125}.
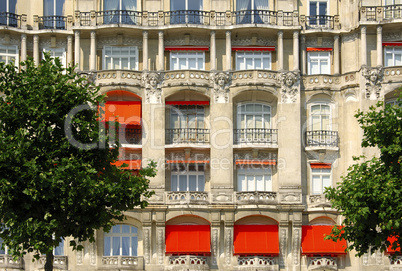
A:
{"x": 310, "y": 116}
{"x": 321, "y": 174}
{"x": 318, "y": 57}
{"x": 180, "y": 112}
{"x": 318, "y": 8}
{"x": 120, "y": 56}
{"x": 111, "y": 235}
{"x": 52, "y": 51}
{"x": 393, "y": 49}
{"x": 198, "y": 55}
{"x": 200, "y": 187}
{"x": 8, "y": 55}
{"x": 253, "y": 113}
{"x": 254, "y": 172}
{"x": 253, "y": 56}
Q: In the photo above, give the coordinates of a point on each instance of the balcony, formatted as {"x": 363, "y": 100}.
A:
{"x": 124, "y": 77}
{"x": 380, "y": 13}
{"x": 187, "y": 135}
{"x": 7, "y": 262}
{"x": 322, "y": 263}
{"x": 11, "y": 19}
{"x": 59, "y": 262}
{"x": 187, "y": 197}
{"x": 257, "y": 197}
{"x": 255, "y": 77}
{"x": 188, "y": 262}
{"x": 255, "y": 136}
{"x": 322, "y": 139}
{"x": 124, "y": 262}
{"x": 318, "y": 201}
{"x": 320, "y": 22}
{"x": 262, "y": 263}
{"x": 187, "y": 77}
{"x": 53, "y": 22}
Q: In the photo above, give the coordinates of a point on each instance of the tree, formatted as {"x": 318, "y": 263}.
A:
{"x": 56, "y": 176}
{"x": 370, "y": 195}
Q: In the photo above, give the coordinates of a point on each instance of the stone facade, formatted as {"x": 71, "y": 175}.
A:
{"x": 286, "y": 118}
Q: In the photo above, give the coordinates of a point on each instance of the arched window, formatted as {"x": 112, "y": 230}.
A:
{"x": 122, "y": 240}
{"x": 253, "y": 123}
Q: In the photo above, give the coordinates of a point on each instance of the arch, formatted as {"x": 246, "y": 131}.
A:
{"x": 186, "y": 95}
{"x": 257, "y": 94}
{"x": 322, "y": 220}
{"x": 323, "y": 96}
{"x": 188, "y": 219}
{"x": 121, "y": 95}
{"x": 256, "y": 220}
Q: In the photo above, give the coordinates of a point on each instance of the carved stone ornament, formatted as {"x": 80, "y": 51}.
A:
{"x": 228, "y": 244}
{"x": 161, "y": 241}
{"x": 282, "y": 246}
{"x": 214, "y": 246}
{"x": 296, "y": 246}
{"x": 290, "y": 82}
{"x": 374, "y": 77}
{"x": 147, "y": 241}
{"x": 221, "y": 83}
{"x": 153, "y": 91}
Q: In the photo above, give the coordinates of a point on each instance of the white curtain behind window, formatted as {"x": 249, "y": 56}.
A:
{"x": 110, "y": 4}
{"x": 48, "y": 7}
{"x": 261, "y": 5}
{"x": 129, "y": 5}
{"x": 243, "y": 5}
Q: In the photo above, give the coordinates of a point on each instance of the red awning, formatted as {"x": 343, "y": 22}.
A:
{"x": 187, "y": 102}
{"x": 256, "y": 240}
{"x": 255, "y": 162}
{"x": 253, "y": 48}
{"x": 392, "y": 239}
{"x": 188, "y": 239}
{"x": 128, "y": 113}
{"x": 396, "y": 43}
{"x": 132, "y": 164}
{"x": 186, "y": 48}
{"x": 187, "y": 161}
{"x": 320, "y": 165}
{"x": 313, "y": 242}
{"x": 313, "y": 49}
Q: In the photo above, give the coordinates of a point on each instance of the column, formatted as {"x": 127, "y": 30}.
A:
{"x": 280, "y": 50}
{"x": 336, "y": 55}
{"x": 77, "y": 49}
{"x": 303, "y": 55}
{"x": 363, "y": 46}
{"x": 228, "y": 241}
{"x": 92, "y": 61}
{"x": 161, "y": 52}
{"x": 228, "y": 50}
{"x": 379, "y": 46}
{"x": 23, "y": 47}
{"x": 215, "y": 237}
{"x": 36, "y": 49}
{"x": 296, "y": 50}
{"x": 145, "y": 50}
{"x": 70, "y": 50}
{"x": 213, "y": 50}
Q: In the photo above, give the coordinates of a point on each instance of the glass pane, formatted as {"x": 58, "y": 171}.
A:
{"x": 134, "y": 246}
{"x": 194, "y": 4}
{"x": 266, "y": 63}
{"x": 258, "y": 122}
{"x": 261, "y": 4}
{"x": 108, "y": 63}
{"x": 134, "y": 230}
{"x": 106, "y": 246}
{"x": 322, "y": 8}
{"x": 316, "y": 123}
{"x": 398, "y": 60}
{"x": 125, "y": 63}
{"x": 249, "y": 108}
{"x": 314, "y": 68}
{"x": 200, "y": 64}
{"x": 249, "y": 64}
{"x": 201, "y": 183}
{"x": 116, "y": 246}
{"x": 182, "y": 183}
{"x": 125, "y": 228}
{"x": 260, "y": 183}
{"x": 326, "y": 181}
{"x": 250, "y": 121}
{"x": 250, "y": 183}
{"x": 59, "y": 250}
{"x": 116, "y": 229}
{"x": 48, "y": 7}
{"x": 59, "y": 7}
{"x": 182, "y": 64}
{"x": 326, "y": 123}
{"x": 324, "y": 66}
{"x": 192, "y": 63}
{"x": 3, "y": 8}
{"x": 178, "y": 5}
{"x": 129, "y": 4}
{"x": 241, "y": 182}
{"x": 315, "y": 109}
{"x": 174, "y": 183}
{"x": 125, "y": 246}
{"x": 258, "y": 108}
{"x": 192, "y": 183}
{"x": 116, "y": 63}
{"x": 243, "y": 5}
{"x": 257, "y": 63}
{"x": 268, "y": 182}
{"x": 313, "y": 8}
{"x": 317, "y": 189}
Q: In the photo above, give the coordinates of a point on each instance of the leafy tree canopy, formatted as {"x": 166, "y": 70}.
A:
{"x": 370, "y": 195}
{"x": 50, "y": 188}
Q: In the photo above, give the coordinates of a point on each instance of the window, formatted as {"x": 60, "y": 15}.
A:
{"x": 320, "y": 117}
{"x": 123, "y": 58}
{"x": 318, "y": 12}
{"x": 122, "y": 240}
{"x": 119, "y": 11}
{"x": 9, "y": 54}
{"x": 319, "y": 63}
{"x": 393, "y": 56}
{"x": 53, "y": 14}
{"x": 252, "y": 11}
{"x": 253, "y": 60}
{"x": 320, "y": 178}
{"x": 393, "y": 9}
{"x": 5, "y": 249}
{"x": 187, "y": 61}
{"x": 188, "y": 177}
{"x": 249, "y": 179}
{"x": 186, "y": 11}
{"x": 253, "y": 123}
{"x": 59, "y": 250}
{"x": 57, "y": 52}
{"x": 7, "y": 12}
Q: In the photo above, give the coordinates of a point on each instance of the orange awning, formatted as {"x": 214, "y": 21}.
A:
{"x": 187, "y": 102}
{"x": 188, "y": 239}
{"x": 313, "y": 242}
{"x": 392, "y": 239}
{"x": 253, "y": 48}
{"x": 132, "y": 164}
{"x": 392, "y": 44}
{"x": 187, "y": 161}
{"x": 128, "y": 113}
{"x": 321, "y": 49}
{"x": 255, "y": 162}
{"x": 320, "y": 165}
{"x": 186, "y": 48}
{"x": 256, "y": 240}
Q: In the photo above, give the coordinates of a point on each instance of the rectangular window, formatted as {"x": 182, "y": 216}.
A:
{"x": 320, "y": 178}
{"x": 250, "y": 179}
{"x": 53, "y": 14}
{"x": 253, "y": 60}
{"x": 9, "y": 54}
{"x": 318, "y": 12}
{"x": 320, "y": 117}
{"x": 120, "y": 11}
{"x": 186, "y": 11}
{"x": 57, "y": 52}
{"x": 188, "y": 177}
{"x": 393, "y": 56}
{"x": 7, "y": 11}
{"x": 252, "y": 11}
{"x": 187, "y": 61}
{"x": 120, "y": 58}
{"x": 319, "y": 63}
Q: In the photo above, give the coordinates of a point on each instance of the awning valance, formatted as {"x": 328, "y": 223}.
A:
{"x": 320, "y": 49}
{"x": 320, "y": 165}
{"x": 392, "y": 239}
{"x": 186, "y": 48}
{"x": 188, "y": 239}
{"x": 187, "y": 161}
{"x": 313, "y": 242}
{"x": 128, "y": 113}
{"x": 392, "y": 44}
{"x": 187, "y": 102}
{"x": 256, "y": 240}
{"x": 254, "y": 48}
{"x": 132, "y": 164}
{"x": 255, "y": 162}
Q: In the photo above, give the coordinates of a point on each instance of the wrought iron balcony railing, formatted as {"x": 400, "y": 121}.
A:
{"x": 10, "y": 19}
{"x": 187, "y": 17}
{"x": 187, "y": 135}
{"x": 118, "y": 17}
{"x": 320, "y": 21}
{"x": 52, "y": 22}
{"x": 322, "y": 138}
{"x": 256, "y": 135}
{"x": 255, "y": 17}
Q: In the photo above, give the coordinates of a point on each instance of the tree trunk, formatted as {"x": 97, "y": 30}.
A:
{"x": 49, "y": 261}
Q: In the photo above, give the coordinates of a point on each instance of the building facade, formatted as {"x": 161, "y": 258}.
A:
{"x": 247, "y": 106}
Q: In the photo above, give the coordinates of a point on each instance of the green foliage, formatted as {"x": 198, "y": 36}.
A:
{"x": 49, "y": 188}
{"x": 369, "y": 195}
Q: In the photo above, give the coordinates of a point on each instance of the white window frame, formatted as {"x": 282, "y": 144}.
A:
{"x": 180, "y": 170}
{"x": 322, "y": 55}
{"x": 264, "y": 115}
{"x": 320, "y": 173}
{"x": 317, "y": 7}
{"x": 8, "y": 55}
{"x": 133, "y": 53}
{"x": 244, "y": 175}
{"x": 53, "y": 51}
{"x": 321, "y": 114}
{"x": 393, "y": 51}
{"x": 175, "y": 57}
{"x": 112, "y": 235}
{"x": 242, "y": 57}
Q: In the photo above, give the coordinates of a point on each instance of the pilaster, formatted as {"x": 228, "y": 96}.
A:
{"x": 213, "y": 50}
{"x": 379, "y": 46}
{"x": 36, "y": 49}
{"x": 77, "y": 49}
{"x": 92, "y": 62}
{"x": 161, "y": 51}
{"x": 23, "y": 47}
{"x": 228, "y": 50}
{"x": 363, "y": 46}
{"x": 280, "y": 50}
{"x": 145, "y": 50}
{"x": 296, "y": 50}
{"x": 70, "y": 50}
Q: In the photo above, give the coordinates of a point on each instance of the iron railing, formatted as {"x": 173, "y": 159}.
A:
{"x": 187, "y": 135}
{"x": 187, "y": 17}
{"x": 320, "y": 21}
{"x": 118, "y": 17}
{"x": 10, "y": 19}
{"x": 85, "y": 18}
{"x": 322, "y": 138}
{"x": 52, "y": 22}
{"x": 255, "y": 135}
{"x": 255, "y": 17}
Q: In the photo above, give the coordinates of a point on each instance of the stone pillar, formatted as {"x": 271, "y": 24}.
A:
{"x": 92, "y": 62}
{"x": 283, "y": 238}
{"x": 160, "y": 237}
{"x": 23, "y": 47}
{"x": 280, "y": 50}
{"x": 303, "y": 56}
{"x": 228, "y": 50}
{"x": 161, "y": 52}
{"x": 379, "y": 46}
{"x": 215, "y": 237}
{"x": 228, "y": 242}
{"x": 363, "y": 46}
{"x": 77, "y": 48}
{"x": 145, "y": 50}
{"x": 70, "y": 50}
{"x": 296, "y": 50}
{"x": 296, "y": 238}
{"x": 213, "y": 50}
{"x": 36, "y": 49}
{"x": 336, "y": 55}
